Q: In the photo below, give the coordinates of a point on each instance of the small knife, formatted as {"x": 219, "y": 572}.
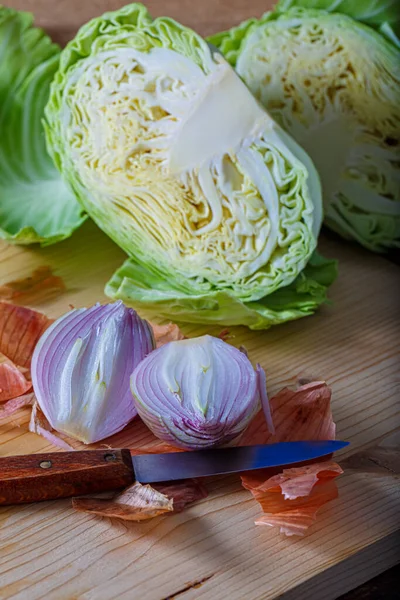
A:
{"x": 37, "y": 477}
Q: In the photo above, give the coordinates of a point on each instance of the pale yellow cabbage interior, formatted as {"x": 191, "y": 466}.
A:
{"x": 331, "y": 87}
{"x": 166, "y": 154}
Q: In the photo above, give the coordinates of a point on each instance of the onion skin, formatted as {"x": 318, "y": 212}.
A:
{"x": 81, "y": 368}
{"x": 197, "y": 393}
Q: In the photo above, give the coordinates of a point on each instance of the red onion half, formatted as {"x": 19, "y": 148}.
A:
{"x": 81, "y": 368}
{"x": 197, "y": 393}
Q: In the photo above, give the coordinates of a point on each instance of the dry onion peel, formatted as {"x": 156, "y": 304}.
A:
{"x": 39, "y": 424}
{"x": 292, "y": 498}
{"x": 20, "y": 329}
{"x": 141, "y": 502}
{"x": 81, "y": 368}
{"x": 300, "y": 414}
{"x": 166, "y": 333}
{"x": 41, "y": 285}
{"x": 12, "y": 382}
{"x": 294, "y": 517}
{"x": 182, "y": 492}
{"x": 12, "y": 406}
{"x": 137, "y": 503}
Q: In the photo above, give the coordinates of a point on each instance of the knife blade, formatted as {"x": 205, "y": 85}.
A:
{"x": 37, "y": 477}
{"x": 150, "y": 468}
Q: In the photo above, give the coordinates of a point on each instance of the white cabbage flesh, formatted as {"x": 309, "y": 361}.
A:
{"x": 184, "y": 169}
{"x": 335, "y": 87}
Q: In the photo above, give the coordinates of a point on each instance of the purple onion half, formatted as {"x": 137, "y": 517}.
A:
{"x": 81, "y": 369}
{"x": 197, "y": 393}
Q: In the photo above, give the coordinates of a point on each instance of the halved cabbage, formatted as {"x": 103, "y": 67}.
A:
{"x": 383, "y": 15}
{"x": 334, "y": 84}
{"x": 35, "y": 204}
{"x": 175, "y": 160}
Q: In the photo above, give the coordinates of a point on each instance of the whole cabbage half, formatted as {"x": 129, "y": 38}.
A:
{"x": 334, "y": 85}
{"x": 167, "y": 150}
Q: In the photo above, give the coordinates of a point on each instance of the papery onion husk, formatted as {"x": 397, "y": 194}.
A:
{"x": 41, "y": 285}
{"x": 20, "y": 329}
{"x": 13, "y": 383}
{"x": 137, "y": 503}
{"x": 166, "y": 333}
{"x": 39, "y": 424}
{"x": 81, "y": 368}
{"x": 10, "y": 407}
{"x": 196, "y": 393}
{"x": 142, "y": 502}
{"x": 291, "y": 499}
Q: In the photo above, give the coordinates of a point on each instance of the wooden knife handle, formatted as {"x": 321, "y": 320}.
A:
{"x": 39, "y": 477}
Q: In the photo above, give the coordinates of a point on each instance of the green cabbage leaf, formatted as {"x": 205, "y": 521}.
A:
{"x": 35, "y": 204}
{"x": 383, "y": 15}
{"x": 154, "y": 292}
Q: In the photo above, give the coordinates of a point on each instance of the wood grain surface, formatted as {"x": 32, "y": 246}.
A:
{"x": 213, "y": 550}
{"x": 62, "y": 18}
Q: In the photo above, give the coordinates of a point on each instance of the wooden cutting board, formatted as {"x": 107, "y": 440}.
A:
{"x": 213, "y": 550}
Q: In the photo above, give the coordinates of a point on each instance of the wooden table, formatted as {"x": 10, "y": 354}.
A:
{"x": 212, "y": 550}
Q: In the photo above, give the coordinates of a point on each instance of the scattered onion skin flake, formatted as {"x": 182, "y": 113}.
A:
{"x": 12, "y": 382}
{"x": 298, "y": 482}
{"x": 294, "y": 482}
{"x": 136, "y": 503}
{"x": 182, "y": 492}
{"x": 225, "y": 334}
{"x": 41, "y": 285}
{"x": 39, "y": 424}
{"x": 300, "y": 414}
{"x": 15, "y": 404}
{"x": 20, "y": 330}
{"x": 142, "y": 502}
{"x": 166, "y": 333}
{"x": 291, "y": 498}
{"x": 294, "y": 517}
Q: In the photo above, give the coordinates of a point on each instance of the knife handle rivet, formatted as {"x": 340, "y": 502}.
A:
{"x": 109, "y": 457}
{"x": 45, "y": 464}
